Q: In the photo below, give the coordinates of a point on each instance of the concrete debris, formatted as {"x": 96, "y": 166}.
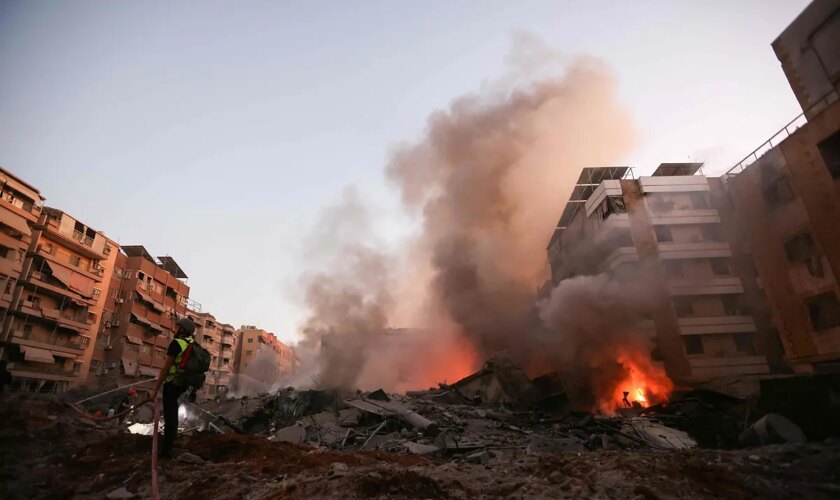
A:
{"x": 292, "y": 434}
{"x": 120, "y": 494}
{"x": 772, "y": 429}
{"x": 420, "y": 448}
{"x": 190, "y": 458}
{"x": 658, "y": 435}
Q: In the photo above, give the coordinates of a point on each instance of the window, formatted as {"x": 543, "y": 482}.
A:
{"x": 710, "y": 232}
{"x": 663, "y": 234}
{"x": 744, "y": 343}
{"x": 248, "y": 353}
{"x": 683, "y": 307}
{"x": 96, "y": 292}
{"x": 77, "y": 367}
{"x": 777, "y": 192}
{"x": 27, "y": 331}
{"x": 75, "y": 260}
{"x": 699, "y": 200}
{"x": 830, "y": 151}
{"x": 824, "y": 311}
{"x": 622, "y": 239}
{"x": 720, "y": 267}
{"x": 802, "y": 249}
{"x": 693, "y": 344}
{"x": 251, "y": 340}
{"x": 9, "y": 285}
{"x": 731, "y": 305}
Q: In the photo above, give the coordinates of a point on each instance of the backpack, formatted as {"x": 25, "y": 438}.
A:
{"x": 194, "y": 364}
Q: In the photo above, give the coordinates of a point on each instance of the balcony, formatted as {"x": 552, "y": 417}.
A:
{"x": 76, "y": 240}
{"x": 74, "y": 347}
{"x": 685, "y": 216}
{"x": 50, "y": 253}
{"x": 78, "y": 323}
{"x": 694, "y": 250}
{"x": 717, "y": 285}
{"x": 620, "y": 256}
{"x": 716, "y": 324}
{"x": 42, "y": 371}
{"x": 37, "y": 279}
{"x": 729, "y": 366}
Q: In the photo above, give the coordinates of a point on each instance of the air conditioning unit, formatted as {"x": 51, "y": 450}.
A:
{"x": 115, "y": 324}
{"x": 109, "y": 347}
{"x": 119, "y": 301}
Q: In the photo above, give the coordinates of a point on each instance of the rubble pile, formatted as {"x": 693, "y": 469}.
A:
{"x": 494, "y": 433}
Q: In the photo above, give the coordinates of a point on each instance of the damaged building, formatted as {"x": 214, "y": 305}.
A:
{"x": 787, "y": 196}
{"x": 55, "y": 276}
{"x": 145, "y": 296}
{"x": 709, "y": 320}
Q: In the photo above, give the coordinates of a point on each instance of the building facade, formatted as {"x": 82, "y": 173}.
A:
{"x": 250, "y": 341}
{"x": 145, "y": 296}
{"x": 54, "y": 284}
{"x": 786, "y": 195}
{"x": 219, "y": 339}
{"x": 710, "y": 320}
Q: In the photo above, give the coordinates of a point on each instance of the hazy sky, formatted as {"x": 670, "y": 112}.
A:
{"x": 214, "y": 131}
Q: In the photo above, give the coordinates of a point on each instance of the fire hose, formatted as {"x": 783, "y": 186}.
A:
{"x": 82, "y": 413}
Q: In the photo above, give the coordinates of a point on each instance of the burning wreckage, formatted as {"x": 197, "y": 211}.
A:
{"x": 493, "y": 433}
{"x": 495, "y": 413}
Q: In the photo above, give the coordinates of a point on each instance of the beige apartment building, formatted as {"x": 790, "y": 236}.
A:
{"x": 145, "y": 296}
{"x": 251, "y": 340}
{"x": 710, "y": 319}
{"x": 56, "y": 286}
{"x": 219, "y": 339}
{"x": 787, "y": 196}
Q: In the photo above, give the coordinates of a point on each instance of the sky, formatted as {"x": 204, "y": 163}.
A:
{"x": 216, "y": 131}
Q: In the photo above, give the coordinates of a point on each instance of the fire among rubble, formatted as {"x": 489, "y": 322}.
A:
{"x": 641, "y": 382}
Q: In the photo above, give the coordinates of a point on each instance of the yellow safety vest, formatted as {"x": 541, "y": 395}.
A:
{"x": 174, "y": 368}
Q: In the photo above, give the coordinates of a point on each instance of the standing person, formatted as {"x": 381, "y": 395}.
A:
{"x": 127, "y": 403}
{"x": 184, "y": 329}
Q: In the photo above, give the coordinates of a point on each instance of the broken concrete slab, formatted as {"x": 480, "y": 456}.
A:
{"x": 120, "y": 494}
{"x": 480, "y": 457}
{"x": 772, "y": 429}
{"x": 658, "y": 435}
{"x": 499, "y": 381}
{"x": 420, "y": 448}
{"x": 291, "y": 434}
{"x": 190, "y": 458}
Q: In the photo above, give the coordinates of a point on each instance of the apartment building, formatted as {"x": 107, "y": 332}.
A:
{"x": 711, "y": 320}
{"x": 250, "y": 341}
{"x": 219, "y": 339}
{"x": 54, "y": 284}
{"x": 145, "y": 296}
{"x": 786, "y": 195}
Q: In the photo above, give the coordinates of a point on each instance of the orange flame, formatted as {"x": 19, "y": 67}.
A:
{"x": 644, "y": 383}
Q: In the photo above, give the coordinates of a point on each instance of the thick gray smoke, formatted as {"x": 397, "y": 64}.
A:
{"x": 488, "y": 179}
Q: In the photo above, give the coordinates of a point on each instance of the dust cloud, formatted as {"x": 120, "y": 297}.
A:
{"x": 487, "y": 182}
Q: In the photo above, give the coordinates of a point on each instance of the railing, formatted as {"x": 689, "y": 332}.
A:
{"x": 42, "y": 368}
{"x": 82, "y": 238}
{"x": 785, "y": 132}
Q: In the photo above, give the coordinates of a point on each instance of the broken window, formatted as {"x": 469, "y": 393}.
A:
{"x": 612, "y": 205}
{"x": 830, "y": 151}
{"x": 663, "y": 234}
{"x": 802, "y": 249}
{"x": 710, "y": 232}
{"x": 824, "y": 310}
{"x": 683, "y": 307}
{"x": 777, "y": 191}
{"x": 720, "y": 267}
{"x": 744, "y": 343}
{"x": 693, "y": 344}
{"x": 699, "y": 200}
{"x": 659, "y": 202}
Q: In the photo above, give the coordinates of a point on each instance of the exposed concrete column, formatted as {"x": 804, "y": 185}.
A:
{"x": 667, "y": 329}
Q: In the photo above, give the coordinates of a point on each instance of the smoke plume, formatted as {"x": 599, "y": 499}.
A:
{"x": 488, "y": 181}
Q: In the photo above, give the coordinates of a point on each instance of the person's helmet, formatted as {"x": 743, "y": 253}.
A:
{"x": 132, "y": 392}
{"x": 187, "y": 325}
